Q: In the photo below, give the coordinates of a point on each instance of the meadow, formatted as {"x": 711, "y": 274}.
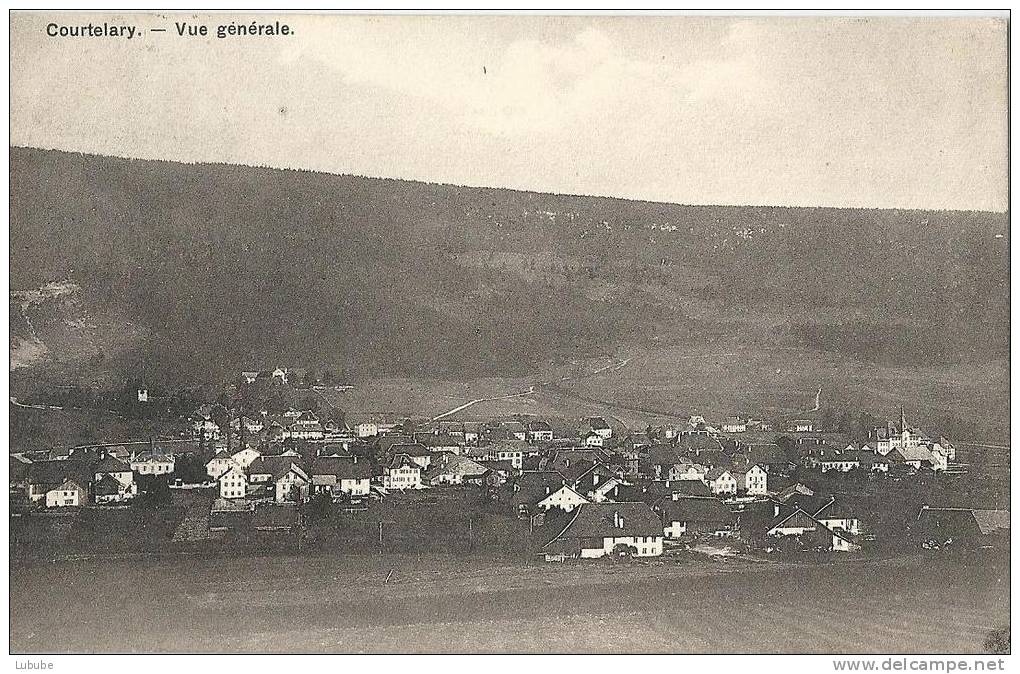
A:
{"x": 436, "y": 603}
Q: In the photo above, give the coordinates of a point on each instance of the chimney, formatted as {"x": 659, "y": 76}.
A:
{"x": 775, "y": 510}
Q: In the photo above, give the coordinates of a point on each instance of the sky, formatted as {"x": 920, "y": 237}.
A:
{"x": 811, "y": 111}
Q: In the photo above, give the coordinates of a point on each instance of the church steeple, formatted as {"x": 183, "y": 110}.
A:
{"x": 903, "y": 421}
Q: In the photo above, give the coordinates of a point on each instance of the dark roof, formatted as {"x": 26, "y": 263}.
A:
{"x": 273, "y": 465}
{"x": 696, "y": 509}
{"x": 411, "y": 449}
{"x": 112, "y": 465}
{"x": 602, "y": 520}
{"x": 107, "y": 486}
{"x": 533, "y": 486}
{"x": 53, "y": 472}
{"x": 342, "y": 467}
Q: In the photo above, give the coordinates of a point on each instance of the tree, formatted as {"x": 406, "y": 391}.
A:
{"x": 320, "y": 509}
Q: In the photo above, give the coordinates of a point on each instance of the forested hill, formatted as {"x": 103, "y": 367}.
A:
{"x": 194, "y": 271}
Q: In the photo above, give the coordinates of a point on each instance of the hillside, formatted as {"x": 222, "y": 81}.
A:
{"x": 191, "y": 272}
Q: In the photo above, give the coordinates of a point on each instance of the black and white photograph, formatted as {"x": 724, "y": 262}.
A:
{"x": 509, "y": 333}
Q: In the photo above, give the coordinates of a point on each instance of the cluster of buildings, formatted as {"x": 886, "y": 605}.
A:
{"x": 587, "y": 490}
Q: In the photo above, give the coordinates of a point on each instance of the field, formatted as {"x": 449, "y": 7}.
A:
{"x": 433, "y": 603}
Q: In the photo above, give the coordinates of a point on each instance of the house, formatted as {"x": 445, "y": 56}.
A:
{"x": 721, "y": 481}
{"x": 539, "y": 431}
{"x": 251, "y": 425}
{"x": 598, "y": 426}
{"x": 42, "y": 477}
{"x": 472, "y": 431}
{"x": 734, "y": 425}
{"x": 117, "y": 480}
{"x": 367, "y": 429}
{"x": 291, "y": 485}
{"x": 598, "y": 529}
{"x": 453, "y": 469}
{"x": 802, "y": 525}
{"x": 756, "y": 481}
{"x": 67, "y": 494}
{"x": 233, "y": 483}
{"x": 206, "y": 428}
{"x": 403, "y": 472}
{"x": 244, "y": 457}
{"x": 440, "y": 442}
{"x": 842, "y": 463}
{"x": 890, "y": 436}
{"x": 542, "y": 490}
{"x": 799, "y": 426}
{"x": 836, "y": 515}
{"x": 341, "y": 476}
{"x": 502, "y": 450}
{"x": 416, "y": 451}
{"x": 963, "y": 527}
{"x": 594, "y": 440}
{"x": 142, "y": 394}
{"x": 695, "y": 515}
{"x": 249, "y": 376}
{"x": 917, "y": 457}
{"x": 515, "y": 430}
{"x": 280, "y": 374}
{"x": 151, "y": 463}
{"x": 219, "y": 464}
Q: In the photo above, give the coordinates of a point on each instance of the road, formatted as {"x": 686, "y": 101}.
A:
{"x": 482, "y": 400}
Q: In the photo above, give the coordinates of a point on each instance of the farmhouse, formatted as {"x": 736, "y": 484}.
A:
{"x": 598, "y": 529}
{"x": 695, "y": 515}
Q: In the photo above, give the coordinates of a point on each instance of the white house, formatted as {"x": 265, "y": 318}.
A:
{"x": 340, "y": 476}
{"x": 594, "y": 440}
{"x": 721, "y": 481}
{"x": 233, "y": 483}
{"x": 564, "y": 498}
{"x": 292, "y": 485}
{"x": 244, "y": 457}
{"x": 219, "y": 464}
{"x": 367, "y": 429}
{"x": 402, "y": 473}
{"x": 756, "y": 481}
{"x": 68, "y": 494}
{"x": 147, "y": 463}
{"x": 734, "y": 425}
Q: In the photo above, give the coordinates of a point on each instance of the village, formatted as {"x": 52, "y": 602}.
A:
{"x": 252, "y": 472}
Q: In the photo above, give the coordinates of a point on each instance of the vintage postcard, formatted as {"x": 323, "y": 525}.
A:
{"x": 510, "y": 333}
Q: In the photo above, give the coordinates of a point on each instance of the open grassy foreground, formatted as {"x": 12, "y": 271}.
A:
{"x": 929, "y": 604}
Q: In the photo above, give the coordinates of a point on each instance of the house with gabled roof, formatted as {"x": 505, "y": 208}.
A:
{"x": 451, "y": 469}
{"x": 595, "y": 530}
{"x": 722, "y": 481}
{"x": 403, "y": 472}
{"x": 233, "y": 483}
{"x": 219, "y": 464}
{"x": 695, "y": 515}
{"x": 68, "y": 494}
{"x": 123, "y": 486}
{"x": 291, "y": 485}
{"x": 801, "y": 524}
{"x": 340, "y": 476}
{"x": 537, "y": 490}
